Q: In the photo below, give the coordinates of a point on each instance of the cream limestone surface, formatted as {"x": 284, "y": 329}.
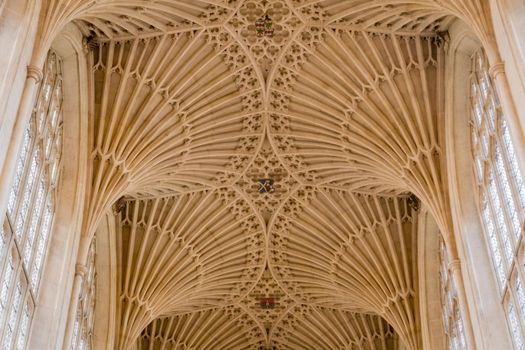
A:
{"x": 183, "y": 108}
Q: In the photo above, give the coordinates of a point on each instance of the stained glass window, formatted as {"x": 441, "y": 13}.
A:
{"x": 31, "y": 204}
{"x": 83, "y": 329}
{"x": 452, "y": 320}
{"x": 501, "y": 194}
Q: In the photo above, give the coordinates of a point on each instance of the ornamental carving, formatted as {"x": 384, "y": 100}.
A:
{"x": 265, "y": 151}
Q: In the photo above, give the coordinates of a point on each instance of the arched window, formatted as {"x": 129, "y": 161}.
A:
{"x": 30, "y": 210}
{"x": 452, "y": 320}
{"x": 501, "y": 193}
{"x": 85, "y": 317}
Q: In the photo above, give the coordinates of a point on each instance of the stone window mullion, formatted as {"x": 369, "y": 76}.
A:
{"x": 84, "y": 320}
{"x": 24, "y": 162}
{"x": 507, "y": 256}
{"x": 30, "y": 211}
{"x": 451, "y": 314}
{"x": 502, "y": 195}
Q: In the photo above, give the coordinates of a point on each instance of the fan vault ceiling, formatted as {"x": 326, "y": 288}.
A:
{"x": 340, "y": 108}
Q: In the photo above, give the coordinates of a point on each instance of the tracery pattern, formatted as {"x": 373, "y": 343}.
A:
{"x": 122, "y": 19}
{"x": 375, "y": 128}
{"x": 30, "y": 210}
{"x": 164, "y": 127}
{"x": 452, "y": 319}
{"x": 224, "y": 329}
{"x": 190, "y": 109}
{"x": 266, "y": 164}
{"x": 267, "y": 303}
{"x": 285, "y": 154}
{"x": 301, "y": 328}
{"x": 83, "y": 329}
{"x": 364, "y": 254}
{"x": 326, "y": 329}
{"x": 187, "y": 253}
{"x": 266, "y": 50}
{"x": 385, "y": 17}
{"x": 501, "y": 193}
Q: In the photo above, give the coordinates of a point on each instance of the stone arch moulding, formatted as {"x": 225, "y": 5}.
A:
{"x": 331, "y": 247}
{"x": 160, "y": 166}
{"x": 338, "y": 117}
{"x": 432, "y": 330}
{"x": 106, "y": 283}
{"x": 161, "y": 127}
{"x": 185, "y": 253}
{"x": 88, "y": 14}
{"x": 51, "y": 314}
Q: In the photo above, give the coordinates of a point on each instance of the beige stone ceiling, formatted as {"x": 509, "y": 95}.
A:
{"x": 341, "y": 108}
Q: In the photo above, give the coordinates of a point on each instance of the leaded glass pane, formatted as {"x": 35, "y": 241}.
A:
{"x": 515, "y": 326}
{"x": 500, "y": 183}
{"x": 520, "y": 294}
{"x": 37, "y": 213}
{"x": 499, "y": 216}
{"x": 452, "y": 320}
{"x": 507, "y": 193}
{"x": 494, "y": 245}
{"x": 84, "y": 322}
{"x": 13, "y": 316}
{"x": 7, "y": 282}
{"x": 20, "y": 166}
{"x": 28, "y": 191}
{"x": 83, "y": 343}
{"x": 513, "y": 164}
{"x": 41, "y": 246}
{"x": 24, "y": 328}
{"x": 30, "y": 210}
{"x": 76, "y": 328}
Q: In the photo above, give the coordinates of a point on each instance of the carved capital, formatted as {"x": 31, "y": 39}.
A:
{"x": 35, "y": 73}
{"x": 497, "y": 69}
{"x": 80, "y": 270}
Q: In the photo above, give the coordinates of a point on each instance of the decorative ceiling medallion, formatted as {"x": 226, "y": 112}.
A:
{"x": 266, "y": 186}
{"x": 266, "y": 181}
{"x": 268, "y": 302}
{"x": 265, "y": 26}
{"x": 264, "y": 21}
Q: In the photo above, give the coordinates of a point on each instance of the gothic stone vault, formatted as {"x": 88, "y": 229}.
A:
{"x": 338, "y": 107}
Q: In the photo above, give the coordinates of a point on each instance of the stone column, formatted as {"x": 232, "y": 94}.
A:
{"x": 25, "y": 108}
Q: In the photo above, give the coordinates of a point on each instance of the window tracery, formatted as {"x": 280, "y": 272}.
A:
{"x": 452, "y": 320}
{"x": 84, "y": 321}
{"x": 30, "y": 209}
{"x": 501, "y": 193}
